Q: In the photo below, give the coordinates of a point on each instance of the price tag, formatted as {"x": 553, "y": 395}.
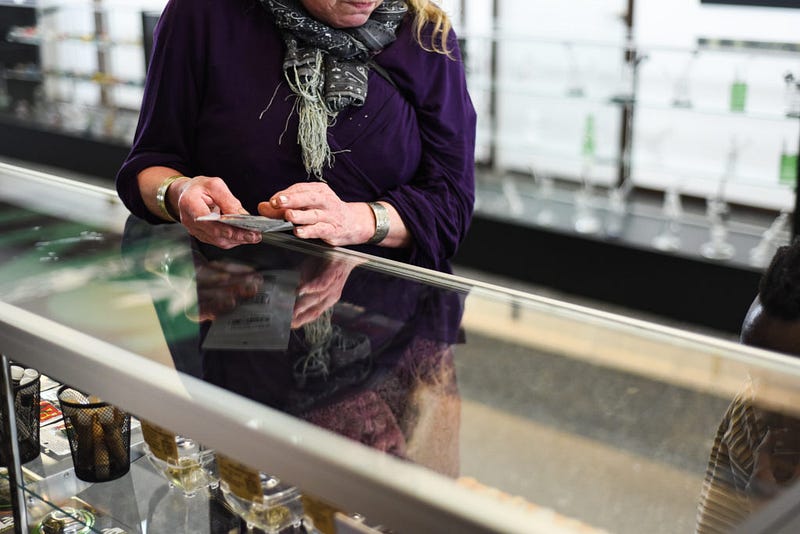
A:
{"x": 321, "y": 513}
{"x": 242, "y": 481}
{"x": 161, "y": 442}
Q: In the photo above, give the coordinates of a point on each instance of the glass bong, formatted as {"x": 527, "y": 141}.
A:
{"x": 669, "y": 239}
{"x": 585, "y": 220}
{"x": 718, "y": 247}
{"x": 544, "y": 193}
{"x": 773, "y": 237}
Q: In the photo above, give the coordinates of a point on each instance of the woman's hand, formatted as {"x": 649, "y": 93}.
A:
{"x": 202, "y": 195}
{"x": 319, "y": 213}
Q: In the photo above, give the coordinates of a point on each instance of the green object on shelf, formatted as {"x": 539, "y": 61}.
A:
{"x": 788, "y": 174}
{"x": 588, "y": 147}
{"x": 738, "y": 95}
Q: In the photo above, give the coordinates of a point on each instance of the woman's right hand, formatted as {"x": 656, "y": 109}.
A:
{"x": 203, "y": 195}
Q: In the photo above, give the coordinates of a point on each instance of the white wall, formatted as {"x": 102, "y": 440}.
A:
{"x": 548, "y": 47}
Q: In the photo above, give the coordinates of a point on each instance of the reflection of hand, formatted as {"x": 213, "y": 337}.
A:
{"x": 320, "y": 289}
{"x": 319, "y": 213}
{"x": 203, "y": 195}
{"x": 222, "y": 286}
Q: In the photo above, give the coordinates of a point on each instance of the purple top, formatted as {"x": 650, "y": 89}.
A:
{"x": 216, "y": 104}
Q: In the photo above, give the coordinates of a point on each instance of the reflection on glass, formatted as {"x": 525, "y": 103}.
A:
{"x": 362, "y": 353}
{"x": 756, "y": 451}
{"x": 174, "y": 513}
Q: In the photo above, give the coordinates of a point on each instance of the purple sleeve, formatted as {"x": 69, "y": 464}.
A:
{"x": 436, "y": 206}
{"x": 170, "y": 102}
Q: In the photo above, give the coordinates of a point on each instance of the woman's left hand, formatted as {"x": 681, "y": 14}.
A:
{"x": 319, "y": 213}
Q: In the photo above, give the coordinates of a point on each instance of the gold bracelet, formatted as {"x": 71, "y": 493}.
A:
{"x": 161, "y": 197}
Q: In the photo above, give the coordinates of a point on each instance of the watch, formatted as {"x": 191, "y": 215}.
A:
{"x": 381, "y": 222}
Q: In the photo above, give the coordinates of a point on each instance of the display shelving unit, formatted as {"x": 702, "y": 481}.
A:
{"x": 531, "y": 168}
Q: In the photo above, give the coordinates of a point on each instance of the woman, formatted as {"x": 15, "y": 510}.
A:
{"x": 351, "y": 119}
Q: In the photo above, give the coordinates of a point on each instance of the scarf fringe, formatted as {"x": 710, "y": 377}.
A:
{"x": 314, "y": 116}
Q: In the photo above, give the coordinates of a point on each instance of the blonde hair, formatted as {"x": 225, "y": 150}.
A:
{"x": 426, "y": 11}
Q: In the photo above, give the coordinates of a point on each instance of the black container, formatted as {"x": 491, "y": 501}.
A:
{"x": 99, "y": 436}
{"x": 26, "y": 411}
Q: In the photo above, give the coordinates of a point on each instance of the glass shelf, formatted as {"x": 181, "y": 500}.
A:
{"x": 639, "y": 223}
{"x": 523, "y": 89}
{"x": 99, "y": 78}
{"x": 32, "y": 37}
{"x": 704, "y": 45}
{"x": 33, "y": 75}
{"x": 19, "y": 3}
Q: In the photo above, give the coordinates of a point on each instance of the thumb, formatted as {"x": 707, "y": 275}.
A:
{"x": 222, "y": 197}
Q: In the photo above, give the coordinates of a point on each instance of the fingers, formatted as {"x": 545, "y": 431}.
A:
{"x": 304, "y": 195}
{"x": 318, "y": 213}
{"x": 266, "y": 209}
{"x": 204, "y": 195}
{"x": 305, "y": 217}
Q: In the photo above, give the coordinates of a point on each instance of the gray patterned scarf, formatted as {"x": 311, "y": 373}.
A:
{"x": 327, "y": 68}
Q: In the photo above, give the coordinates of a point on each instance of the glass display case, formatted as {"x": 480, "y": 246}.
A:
{"x": 406, "y": 400}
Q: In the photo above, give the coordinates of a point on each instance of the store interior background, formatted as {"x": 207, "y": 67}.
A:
{"x": 580, "y": 157}
{"x": 545, "y": 75}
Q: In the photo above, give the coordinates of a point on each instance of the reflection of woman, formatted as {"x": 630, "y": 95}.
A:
{"x": 350, "y": 119}
{"x": 383, "y": 374}
{"x": 756, "y": 450}
{"x": 369, "y": 356}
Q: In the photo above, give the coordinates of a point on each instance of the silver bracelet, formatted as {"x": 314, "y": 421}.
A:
{"x": 381, "y": 222}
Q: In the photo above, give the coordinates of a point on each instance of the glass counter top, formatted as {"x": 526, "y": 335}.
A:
{"x": 419, "y": 399}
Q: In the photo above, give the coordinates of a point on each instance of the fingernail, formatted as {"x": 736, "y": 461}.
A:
{"x": 301, "y": 231}
{"x": 282, "y": 199}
